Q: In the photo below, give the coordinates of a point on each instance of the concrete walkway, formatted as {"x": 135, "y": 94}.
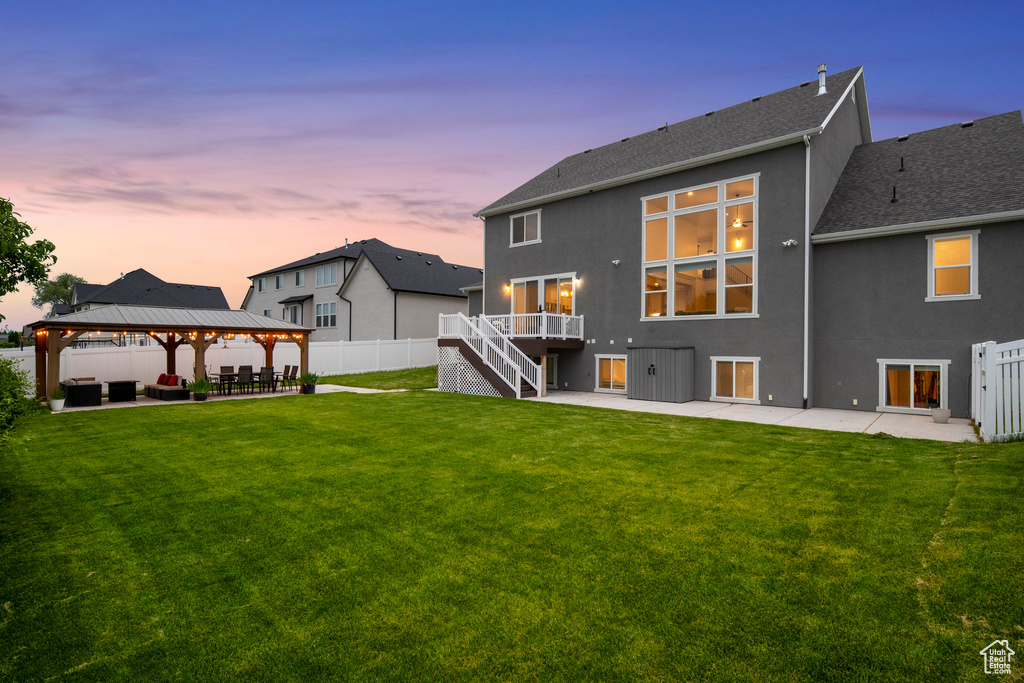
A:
{"x": 894, "y": 424}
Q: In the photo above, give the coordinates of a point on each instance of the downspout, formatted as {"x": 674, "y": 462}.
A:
{"x": 807, "y": 264}
{"x": 349, "y": 316}
{"x": 395, "y": 305}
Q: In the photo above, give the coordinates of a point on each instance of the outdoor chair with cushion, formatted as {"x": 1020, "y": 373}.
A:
{"x": 222, "y": 383}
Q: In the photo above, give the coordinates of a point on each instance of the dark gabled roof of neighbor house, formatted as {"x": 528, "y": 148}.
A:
{"x": 421, "y": 274}
{"x": 348, "y": 251}
{"x": 782, "y": 116}
{"x": 970, "y": 169}
{"x": 142, "y": 288}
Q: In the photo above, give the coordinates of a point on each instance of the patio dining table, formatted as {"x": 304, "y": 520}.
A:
{"x": 226, "y": 379}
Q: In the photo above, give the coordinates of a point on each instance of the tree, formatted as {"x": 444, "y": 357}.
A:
{"x": 59, "y": 290}
{"x": 20, "y": 261}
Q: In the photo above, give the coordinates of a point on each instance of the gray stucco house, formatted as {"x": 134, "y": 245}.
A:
{"x": 767, "y": 253}
{"x": 362, "y": 291}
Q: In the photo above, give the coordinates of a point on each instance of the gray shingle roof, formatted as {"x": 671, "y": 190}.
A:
{"x": 785, "y": 113}
{"x": 950, "y": 172}
{"x": 142, "y": 288}
{"x": 422, "y": 274}
{"x": 349, "y": 251}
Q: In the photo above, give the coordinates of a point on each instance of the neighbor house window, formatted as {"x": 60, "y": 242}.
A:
{"x": 700, "y": 251}
{"x": 267, "y": 312}
{"x": 300, "y": 278}
{"x": 261, "y": 284}
{"x": 611, "y": 373}
{"x": 279, "y": 282}
{"x": 327, "y": 315}
{"x": 734, "y": 379}
{"x": 525, "y": 228}
{"x": 291, "y": 314}
{"x": 953, "y": 266}
{"x": 327, "y": 275}
{"x": 912, "y": 386}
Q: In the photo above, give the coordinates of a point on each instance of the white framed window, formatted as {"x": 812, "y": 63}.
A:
{"x": 267, "y": 312}
{"x": 261, "y": 284}
{"x": 550, "y": 293}
{"x": 279, "y": 282}
{"x": 327, "y": 275}
{"x": 524, "y": 228}
{"x": 735, "y": 379}
{"x": 300, "y": 278}
{"x": 700, "y": 251}
{"x": 610, "y": 373}
{"x": 953, "y": 266}
{"x": 912, "y": 386}
{"x": 327, "y": 314}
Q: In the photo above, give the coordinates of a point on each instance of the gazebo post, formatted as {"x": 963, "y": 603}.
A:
{"x": 171, "y": 348}
{"x": 303, "y": 353}
{"x": 41, "y": 336}
{"x": 269, "y": 346}
{"x": 54, "y": 345}
{"x": 199, "y": 345}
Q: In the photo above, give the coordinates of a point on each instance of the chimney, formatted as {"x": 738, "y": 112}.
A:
{"x": 821, "y": 79}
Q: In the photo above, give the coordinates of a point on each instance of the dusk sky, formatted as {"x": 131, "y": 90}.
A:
{"x": 207, "y": 141}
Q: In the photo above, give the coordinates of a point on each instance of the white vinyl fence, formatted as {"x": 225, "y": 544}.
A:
{"x": 145, "y": 363}
{"x": 996, "y": 383}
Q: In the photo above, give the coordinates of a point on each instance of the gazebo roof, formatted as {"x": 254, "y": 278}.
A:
{"x": 118, "y": 317}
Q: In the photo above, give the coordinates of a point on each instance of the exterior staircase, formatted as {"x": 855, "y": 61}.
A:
{"x": 486, "y": 343}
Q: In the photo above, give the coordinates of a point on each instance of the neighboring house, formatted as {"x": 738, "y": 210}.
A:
{"x": 759, "y": 254}
{"x": 361, "y": 291}
{"x": 142, "y": 288}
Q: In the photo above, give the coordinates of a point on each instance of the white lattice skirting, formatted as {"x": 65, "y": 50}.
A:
{"x": 455, "y": 374}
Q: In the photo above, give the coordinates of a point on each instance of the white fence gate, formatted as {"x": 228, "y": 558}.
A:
{"x": 996, "y": 389}
{"x": 145, "y": 363}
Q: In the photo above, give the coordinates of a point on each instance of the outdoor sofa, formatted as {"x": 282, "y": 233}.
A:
{"x": 168, "y": 388}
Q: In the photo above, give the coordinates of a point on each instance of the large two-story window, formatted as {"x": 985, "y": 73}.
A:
{"x": 700, "y": 251}
{"x": 327, "y": 275}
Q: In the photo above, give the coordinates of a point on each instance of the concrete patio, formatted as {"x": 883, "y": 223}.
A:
{"x": 894, "y": 424}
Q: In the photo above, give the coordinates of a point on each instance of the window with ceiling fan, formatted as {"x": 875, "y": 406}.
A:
{"x": 700, "y": 251}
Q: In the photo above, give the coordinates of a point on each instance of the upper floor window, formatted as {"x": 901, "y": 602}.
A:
{"x": 327, "y": 314}
{"x": 267, "y": 312}
{"x": 300, "y": 278}
{"x": 700, "y": 251}
{"x": 327, "y": 275}
{"x": 279, "y": 282}
{"x": 525, "y": 228}
{"x": 261, "y": 284}
{"x": 953, "y": 266}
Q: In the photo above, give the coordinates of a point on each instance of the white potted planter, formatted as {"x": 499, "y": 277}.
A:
{"x": 57, "y": 399}
{"x": 940, "y": 415}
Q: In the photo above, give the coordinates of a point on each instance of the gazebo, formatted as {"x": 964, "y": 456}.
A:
{"x": 170, "y": 327}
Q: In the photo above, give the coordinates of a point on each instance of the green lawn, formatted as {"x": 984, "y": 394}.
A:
{"x": 436, "y": 537}
{"x": 413, "y": 378}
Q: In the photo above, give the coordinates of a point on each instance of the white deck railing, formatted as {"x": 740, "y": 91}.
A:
{"x": 528, "y": 370}
{"x": 997, "y": 389}
{"x": 496, "y": 351}
{"x": 539, "y": 325}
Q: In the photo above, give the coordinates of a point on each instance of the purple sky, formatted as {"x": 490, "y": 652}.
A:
{"x": 206, "y": 141}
